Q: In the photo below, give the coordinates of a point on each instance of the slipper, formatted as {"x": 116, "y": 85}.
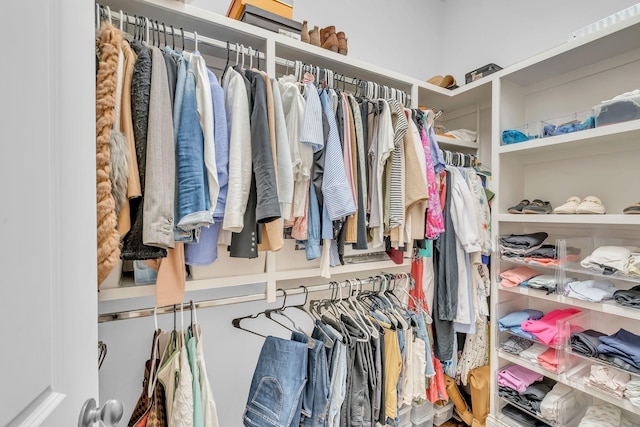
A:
{"x": 517, "y": 209}
{"x": 569, "y": 206}
{"x": 537, "y": 207}
{"x": 591, "y": 205}
{"x": 633, "y": 209}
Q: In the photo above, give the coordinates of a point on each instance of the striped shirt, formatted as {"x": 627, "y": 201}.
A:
{"x": 312, "y": 124}
{"x": 396, "y": 190}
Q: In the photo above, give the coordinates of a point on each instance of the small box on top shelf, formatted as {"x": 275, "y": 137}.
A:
{"x": 283, "y": 8}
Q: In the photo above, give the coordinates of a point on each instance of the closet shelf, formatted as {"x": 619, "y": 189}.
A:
{"x": 618, "y": 137}
{"x": 608, "y": 219}
{"x": 129, "y": 290}
{"x": 602, "y": 45}
{"x": 454, "y": 144}
{"x": 292, "y": 49}
{"x": 522, "y": 362}
{"x": 577, "y": 384}
{"x": 472, "y": 94}
{"x": 608, "y": 307}
{"x": 193, "y": 18}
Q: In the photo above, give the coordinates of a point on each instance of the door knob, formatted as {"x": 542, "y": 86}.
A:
{"x": 110, "y": 414}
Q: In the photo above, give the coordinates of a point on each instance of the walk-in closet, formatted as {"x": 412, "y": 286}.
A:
{"x": 407, "y": 214}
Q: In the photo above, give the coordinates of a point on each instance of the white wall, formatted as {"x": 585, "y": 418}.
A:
{"x": 504, "y": 32}
{"x": 399, "y": 40}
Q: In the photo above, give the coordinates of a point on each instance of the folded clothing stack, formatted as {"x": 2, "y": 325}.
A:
{"x": 547, "y": 282}
{"x": 521, "y": 417}
{"x": 628, "y": 298}
{"x": 532, "y": 397}
{"x": 624, "y": 345}
{"x": 633, "y": 392}
{"x": 521, "y": 244}
{"x": 513, "y": 321}
{"x": 586, "y": 342}
{"x": 553, "y": 130}
{"x": 518, "y": 377}
{"x": 610, "y": 380}
{"x": 515, "y": 276}
{"x": 614, "y": 259}
{"x": 591, "y": 290}
{"x": 605, "y": 415}
{"x": 532, "y": 353}
{"x": 516, "y": 345}
{"x": 547, "y": 329}
{"x": 549, "y": 407}
{"x": 549, "y": 360}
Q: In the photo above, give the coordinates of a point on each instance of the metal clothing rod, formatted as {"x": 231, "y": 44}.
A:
{"x": 342, "y": 78}
{"x": 179, "y": 33}
{"x": 146, "y": 312}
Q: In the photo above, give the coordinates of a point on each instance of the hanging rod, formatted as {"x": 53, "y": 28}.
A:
{"x": 178, "y": 32}
{"x": 349, "y": 80}
{"x": 146, "y": 312}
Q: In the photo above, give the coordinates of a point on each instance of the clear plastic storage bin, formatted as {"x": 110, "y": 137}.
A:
{"x": 404, "y": 416}
{"x": 623, "y": 109}
{"x": 420, "y": 411}
{"x": 570, "y": 123}
{"x": 521, "y": 133}
{"x": 442, "y": 414}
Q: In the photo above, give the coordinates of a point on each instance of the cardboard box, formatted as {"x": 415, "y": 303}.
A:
{"x": 269, "y": 21}
{"x": 282, "y": 8}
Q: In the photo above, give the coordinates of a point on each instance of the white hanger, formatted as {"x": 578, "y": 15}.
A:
{"x": 342, "y": 308}
{"x": 121, "y": 21}
{"x": 242, "y": 49}
{"x": 250, "y": 58}
{"x": 237, "y": 54}
{"x": 146, "y": 29}
{"x": 195, "y": 41}
{"x": 109, "y": 15}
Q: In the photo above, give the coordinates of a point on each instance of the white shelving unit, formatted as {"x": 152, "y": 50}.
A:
{"x": 568, "y": 79}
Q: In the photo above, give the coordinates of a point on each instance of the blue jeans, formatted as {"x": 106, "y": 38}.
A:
{"x": 315, "y": 399}
{"x": 422, "y": 333}
{"x": 191, "y": 176}
{"x": 278, "y": 381}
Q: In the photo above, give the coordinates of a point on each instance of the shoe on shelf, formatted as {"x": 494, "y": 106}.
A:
{"x": 331, "y": 43}
{"x": 569, "y": 206}
{"x": 304, "y": 33}
{"x": 537, "y": 206}
{"x": 326, "y": 32}
{"x": 633, "y": 209}
{"x": 517, "y": 209}
{"x": 343, "y": 48}
{"x": 591, "y": 205}
{"x": 314, "y": 36}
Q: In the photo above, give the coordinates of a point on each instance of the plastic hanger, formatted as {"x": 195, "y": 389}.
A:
{"x": 364, "y": 321}
{"x": 195, "y": 41}
{"x": 164, "y": 30}
{"x": 250, "y": 53}
{"x": 146, "y": 30}
{"x": 341, "y": 307}
{"x": 182, "y": 33}
{"x": 173, "y": 37}
{"x": 226, "y": 65}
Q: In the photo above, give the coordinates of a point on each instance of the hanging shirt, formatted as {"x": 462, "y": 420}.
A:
{"x": 240, "y": 155}
{"x": 335, "y": 188}
{"x": 205, "y": 114}
{"x": 284, "y": 165}
{"x": 381, "y": 148}
{"x": 396, "y": 178}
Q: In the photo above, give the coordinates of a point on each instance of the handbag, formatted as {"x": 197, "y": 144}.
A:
{"x": 150, "y": 410}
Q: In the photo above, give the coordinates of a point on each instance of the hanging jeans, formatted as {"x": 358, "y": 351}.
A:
{"x": 315, "y": 399}
{"x": 278, "y": 382}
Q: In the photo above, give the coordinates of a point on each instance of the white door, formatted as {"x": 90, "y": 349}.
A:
{"x": 48, "y": 304}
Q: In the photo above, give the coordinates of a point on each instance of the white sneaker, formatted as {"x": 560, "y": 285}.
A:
{"x": 591, "y": 205}
{"x": 569, "y": 206}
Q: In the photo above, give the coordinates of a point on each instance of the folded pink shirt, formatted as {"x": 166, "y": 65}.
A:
{"x": 549, "y": 360}
{"x": 546, "y": 329}
{"x": 517, "y": 377}
{"x": 515, "y": 276}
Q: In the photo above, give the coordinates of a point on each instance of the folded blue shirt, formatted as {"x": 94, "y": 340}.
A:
{"x": 622, "y": 343}
{"x": 517, "y": 317}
